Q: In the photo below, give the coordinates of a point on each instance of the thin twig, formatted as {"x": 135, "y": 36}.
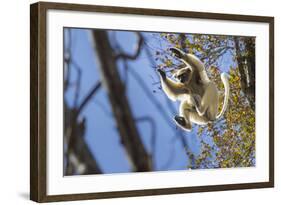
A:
{"x": 137, "y": 52}
{"x": 153, "y": 126}
{"x": 86, "y": 99}
{"x": 78, "y": 81}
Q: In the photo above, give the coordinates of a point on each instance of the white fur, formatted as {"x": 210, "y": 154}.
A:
{"x": 198, "y": 95}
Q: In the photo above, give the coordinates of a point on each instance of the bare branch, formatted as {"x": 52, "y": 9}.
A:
{"x": 129, "y": 135}
{"x": 78, "y": 157}
{"x": 78, "y": 81}
{"x": 137, "y": 52}
{"x": 153, "y": 126}
{"x": 246, "y": 66}
{"x": 66, "y": 57}
{"x": 94, "y": 89}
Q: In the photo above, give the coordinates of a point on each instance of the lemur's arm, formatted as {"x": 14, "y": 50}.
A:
{"x": 192, "y": 61}
{"x": 174, "y": 90}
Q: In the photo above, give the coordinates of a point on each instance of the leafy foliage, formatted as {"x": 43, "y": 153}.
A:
{"x": 232, "y": 138}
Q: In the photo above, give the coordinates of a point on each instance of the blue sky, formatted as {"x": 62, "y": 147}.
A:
{"x": 101, "y": 133}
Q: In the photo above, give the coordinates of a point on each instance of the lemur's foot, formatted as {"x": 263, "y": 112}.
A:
{"x": 176, "y": 52}
{"x": 180, "y": 120}
{"x": 162, "y": 73}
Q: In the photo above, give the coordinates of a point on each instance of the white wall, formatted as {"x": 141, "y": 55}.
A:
{"x": 14, "y": 103}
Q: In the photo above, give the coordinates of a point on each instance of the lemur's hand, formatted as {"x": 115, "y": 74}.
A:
{"x": 161, "y": 73}
{"x": 177, "y": 52}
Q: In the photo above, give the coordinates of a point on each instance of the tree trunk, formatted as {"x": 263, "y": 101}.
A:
{"x": 246, "y": 66}
{"x": 138, "y": 156}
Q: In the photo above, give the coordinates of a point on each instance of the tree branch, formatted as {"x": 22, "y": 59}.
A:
{"x": 94, "y": 89}
{"x": 129, "y": 135}
{"x": 153, "y": 126}
{"x": 78, "y": 158}
{"x": 66, "y": 57}
{"x": 247, "y": 88}
{"x": 137, "y": 52}
{"x": 78, "y": 81}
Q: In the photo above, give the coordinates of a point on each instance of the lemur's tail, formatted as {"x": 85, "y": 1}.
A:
{"x": 224, "y": 78}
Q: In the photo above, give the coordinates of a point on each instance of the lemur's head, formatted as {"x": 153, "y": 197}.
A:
{"x": 183, "y": 75}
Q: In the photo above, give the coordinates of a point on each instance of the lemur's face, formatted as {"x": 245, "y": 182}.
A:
{"x": 183, "y": 75}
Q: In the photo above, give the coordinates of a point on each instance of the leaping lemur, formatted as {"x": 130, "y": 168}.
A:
{"x": 198, "y": 95}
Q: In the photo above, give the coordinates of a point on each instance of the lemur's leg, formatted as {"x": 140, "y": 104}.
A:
{"x": 213, "y": 106}
{"x": 191, "y": 101}
{"x": 195, "y": 100}
{"x": 201, "y": 106}
{"x": 182, "y": 120}
{"x": 208, "y": 106}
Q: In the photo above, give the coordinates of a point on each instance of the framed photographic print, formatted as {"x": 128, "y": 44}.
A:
{"x": 134, "y": 102}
